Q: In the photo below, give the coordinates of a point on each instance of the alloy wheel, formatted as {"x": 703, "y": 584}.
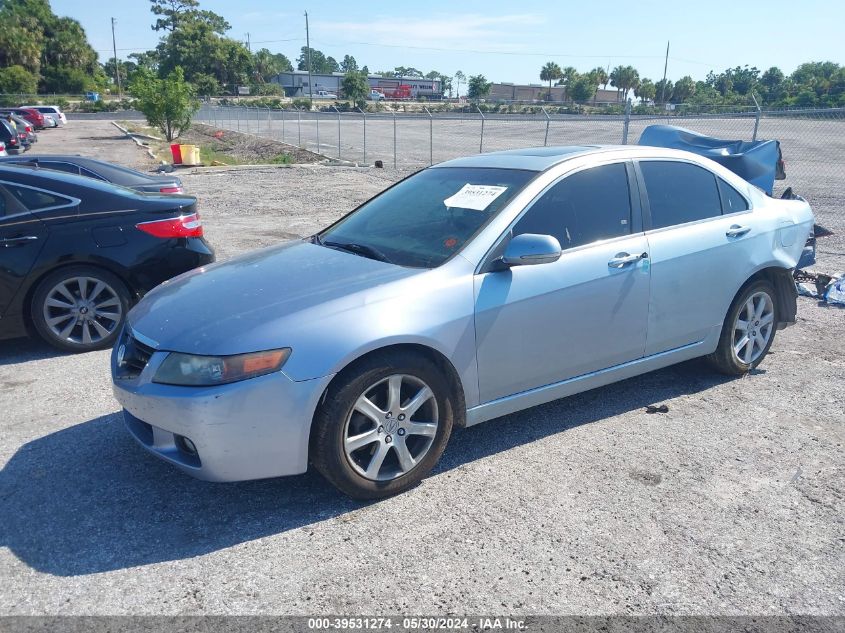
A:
{"x": 753, "y": 327}
{"x": 82, "y": 310}
{"x": 391, "y": 427}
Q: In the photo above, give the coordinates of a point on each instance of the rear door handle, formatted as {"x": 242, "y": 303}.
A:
{"x": 737, "y": 231}
{"x": 623, "y": 259}
{"x": 17, "y": 241}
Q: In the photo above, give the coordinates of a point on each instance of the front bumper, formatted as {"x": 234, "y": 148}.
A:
{"x": 252, "y": 429}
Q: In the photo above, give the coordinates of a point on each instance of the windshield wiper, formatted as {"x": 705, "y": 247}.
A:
{"x": 358, "y": 249}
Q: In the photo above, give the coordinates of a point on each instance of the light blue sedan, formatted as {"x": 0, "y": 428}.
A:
{"x": 470, "y": 290}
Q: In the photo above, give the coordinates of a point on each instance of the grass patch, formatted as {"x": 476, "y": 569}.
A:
{"x": 281, "y": 159}
{"x": 209, "y": 155}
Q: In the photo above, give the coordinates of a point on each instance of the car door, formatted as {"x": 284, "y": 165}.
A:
{"x": 537, "y": 325}
{"x": 22, "y": 236}
{"x": 699, "y": 254}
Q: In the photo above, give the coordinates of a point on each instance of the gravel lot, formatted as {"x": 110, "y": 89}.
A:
{"x": 732, "y": 503}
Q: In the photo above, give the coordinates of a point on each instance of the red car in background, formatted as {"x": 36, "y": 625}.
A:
{"x": 30, "y": 114}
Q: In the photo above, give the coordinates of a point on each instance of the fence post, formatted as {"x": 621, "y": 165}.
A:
{"x": 257, "y": 121}
{"x": 338, "y": 131}
{"x": 299, "y": 126}
{"x": 481, "y": 143}
{"x": 283, "y": 123}
{"x": 317, "y": 119}
{"x": 394, "y": 139}
{"x": 430, "y": 137}
{"x": 756, "y": 117}
{"x": 238, "y": 109}
{"x": 546, "y": 139}
{"x": 364, "y": 114}
{"x": 270, "y": 121}
{"x": 626, "y": 122}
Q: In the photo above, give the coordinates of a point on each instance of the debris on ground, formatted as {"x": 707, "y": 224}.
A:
{"x": 658, "y": 408}
{"x": 827, "y": 288}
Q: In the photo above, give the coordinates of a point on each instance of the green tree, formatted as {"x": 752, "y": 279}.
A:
{"x": 206, "y": 85}
{"x": 356, "y": 87}
{"x": 319, "y": 64}
{"x": 772, "y": 78}
{"x": 478, "y": 87}
{"x": 331, "y": 65}
{"x": 663, "y": 90}
{"x": 582, "y": 89}
{"x": 460, "y": 78}
{"x": 600, "y": 75}
{"x": 176, "y": 13}
{"x": 17, "y": 80}
{"x": 624, "y": 79}
{"x": 550, "y": 72}
{"x": 168, "y": 104}
{"x": 568, "y": 75}
{"x": 646, "y": 91}
{"x": 266, "y": 65}
{"x": 684, "y": 90}
{"x": 348, "y": 64}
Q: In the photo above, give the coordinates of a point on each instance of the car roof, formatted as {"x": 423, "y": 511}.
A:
{"x": 542, "y": 158}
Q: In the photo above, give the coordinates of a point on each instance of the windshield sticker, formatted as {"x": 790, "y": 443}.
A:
{"x": 475, "y": 197}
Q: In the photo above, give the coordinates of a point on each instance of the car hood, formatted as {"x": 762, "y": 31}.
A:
{"x": 253, "y": 302}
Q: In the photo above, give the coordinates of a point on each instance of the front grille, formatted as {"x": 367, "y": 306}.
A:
{"x": 135, "y": 356}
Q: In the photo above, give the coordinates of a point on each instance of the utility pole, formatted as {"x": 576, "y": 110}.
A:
{"x": 116, "y": 63}
{"x": 308, "y": 58}
{"x": 665, "y": 66}
{"x": 248, "y": 47}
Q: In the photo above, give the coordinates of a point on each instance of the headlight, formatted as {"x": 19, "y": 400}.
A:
{"x": 204, "y": 371}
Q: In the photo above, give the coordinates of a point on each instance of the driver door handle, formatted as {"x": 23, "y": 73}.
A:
{"x": 737, "y": 231}
{"x": 623, "y": 259}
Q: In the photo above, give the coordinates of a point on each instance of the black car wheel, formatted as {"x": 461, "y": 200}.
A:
{"x": 80, "y": 308}
{"x": 383, "y": 426}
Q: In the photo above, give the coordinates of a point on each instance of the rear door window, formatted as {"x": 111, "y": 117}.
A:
{"x": 36, "y": 199}
{"x": 679, "y": 193}
{"x": 732, "y": 200}
{"x": 588, "y": 206}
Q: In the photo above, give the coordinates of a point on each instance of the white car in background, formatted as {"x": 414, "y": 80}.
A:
{"x": 51, "y": 110}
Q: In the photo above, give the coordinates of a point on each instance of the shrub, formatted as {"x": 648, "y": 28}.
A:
{"x": 169, "y": 104}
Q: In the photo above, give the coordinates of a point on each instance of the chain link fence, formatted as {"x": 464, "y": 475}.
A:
{"x": 813, "y": 141}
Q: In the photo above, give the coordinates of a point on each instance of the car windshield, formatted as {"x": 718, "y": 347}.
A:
{"x": 427, "y": 218}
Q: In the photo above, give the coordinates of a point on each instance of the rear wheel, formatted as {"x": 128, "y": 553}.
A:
{"x": 384, "y": 427}
{"x": 80, "y": 308}
{"x": 748, "y": 331}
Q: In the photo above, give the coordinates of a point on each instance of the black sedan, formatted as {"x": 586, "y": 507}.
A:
{"x": 77, "y": 253}
{"x": 101, "y": 170}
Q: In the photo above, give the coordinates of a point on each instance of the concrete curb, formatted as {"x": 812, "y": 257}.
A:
{"x": 135, "y": 139}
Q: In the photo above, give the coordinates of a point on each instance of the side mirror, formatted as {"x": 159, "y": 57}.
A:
{"x": 529, "y": 249}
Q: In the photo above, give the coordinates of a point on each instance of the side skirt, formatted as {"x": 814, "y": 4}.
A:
{"x": 585, "y": 382}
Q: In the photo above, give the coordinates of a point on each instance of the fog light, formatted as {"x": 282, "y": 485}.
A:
{"x": 186, "y": 445}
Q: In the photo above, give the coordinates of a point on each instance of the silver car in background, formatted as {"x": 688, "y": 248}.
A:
{"x": 470, "y": 290}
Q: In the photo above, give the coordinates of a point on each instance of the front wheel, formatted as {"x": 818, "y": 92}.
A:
{"x": 748, "y": 331}
{"x": 384, "y": 427}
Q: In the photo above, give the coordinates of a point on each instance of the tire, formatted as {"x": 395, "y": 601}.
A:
{"x": 80, "y": 308}
{"x": 383, "y": 432}
{"x": 732, "y": 358}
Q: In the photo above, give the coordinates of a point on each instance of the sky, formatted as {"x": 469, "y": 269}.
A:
{"x": 510, "y": 41}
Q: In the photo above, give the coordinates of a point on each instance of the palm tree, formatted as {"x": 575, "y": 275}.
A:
{"x": 459, "y": 77}
{"x": 550, "y": 72}
{"x": 616, "y": 76}
{"x": 600, "y": 78}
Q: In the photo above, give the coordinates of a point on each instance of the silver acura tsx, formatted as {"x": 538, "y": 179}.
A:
{"x": 470, "y": 290}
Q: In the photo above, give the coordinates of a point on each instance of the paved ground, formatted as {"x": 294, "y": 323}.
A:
{"x": 732, "y": 503}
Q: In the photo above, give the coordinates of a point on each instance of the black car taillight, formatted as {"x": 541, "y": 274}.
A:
{"x": 181, "y": 226}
